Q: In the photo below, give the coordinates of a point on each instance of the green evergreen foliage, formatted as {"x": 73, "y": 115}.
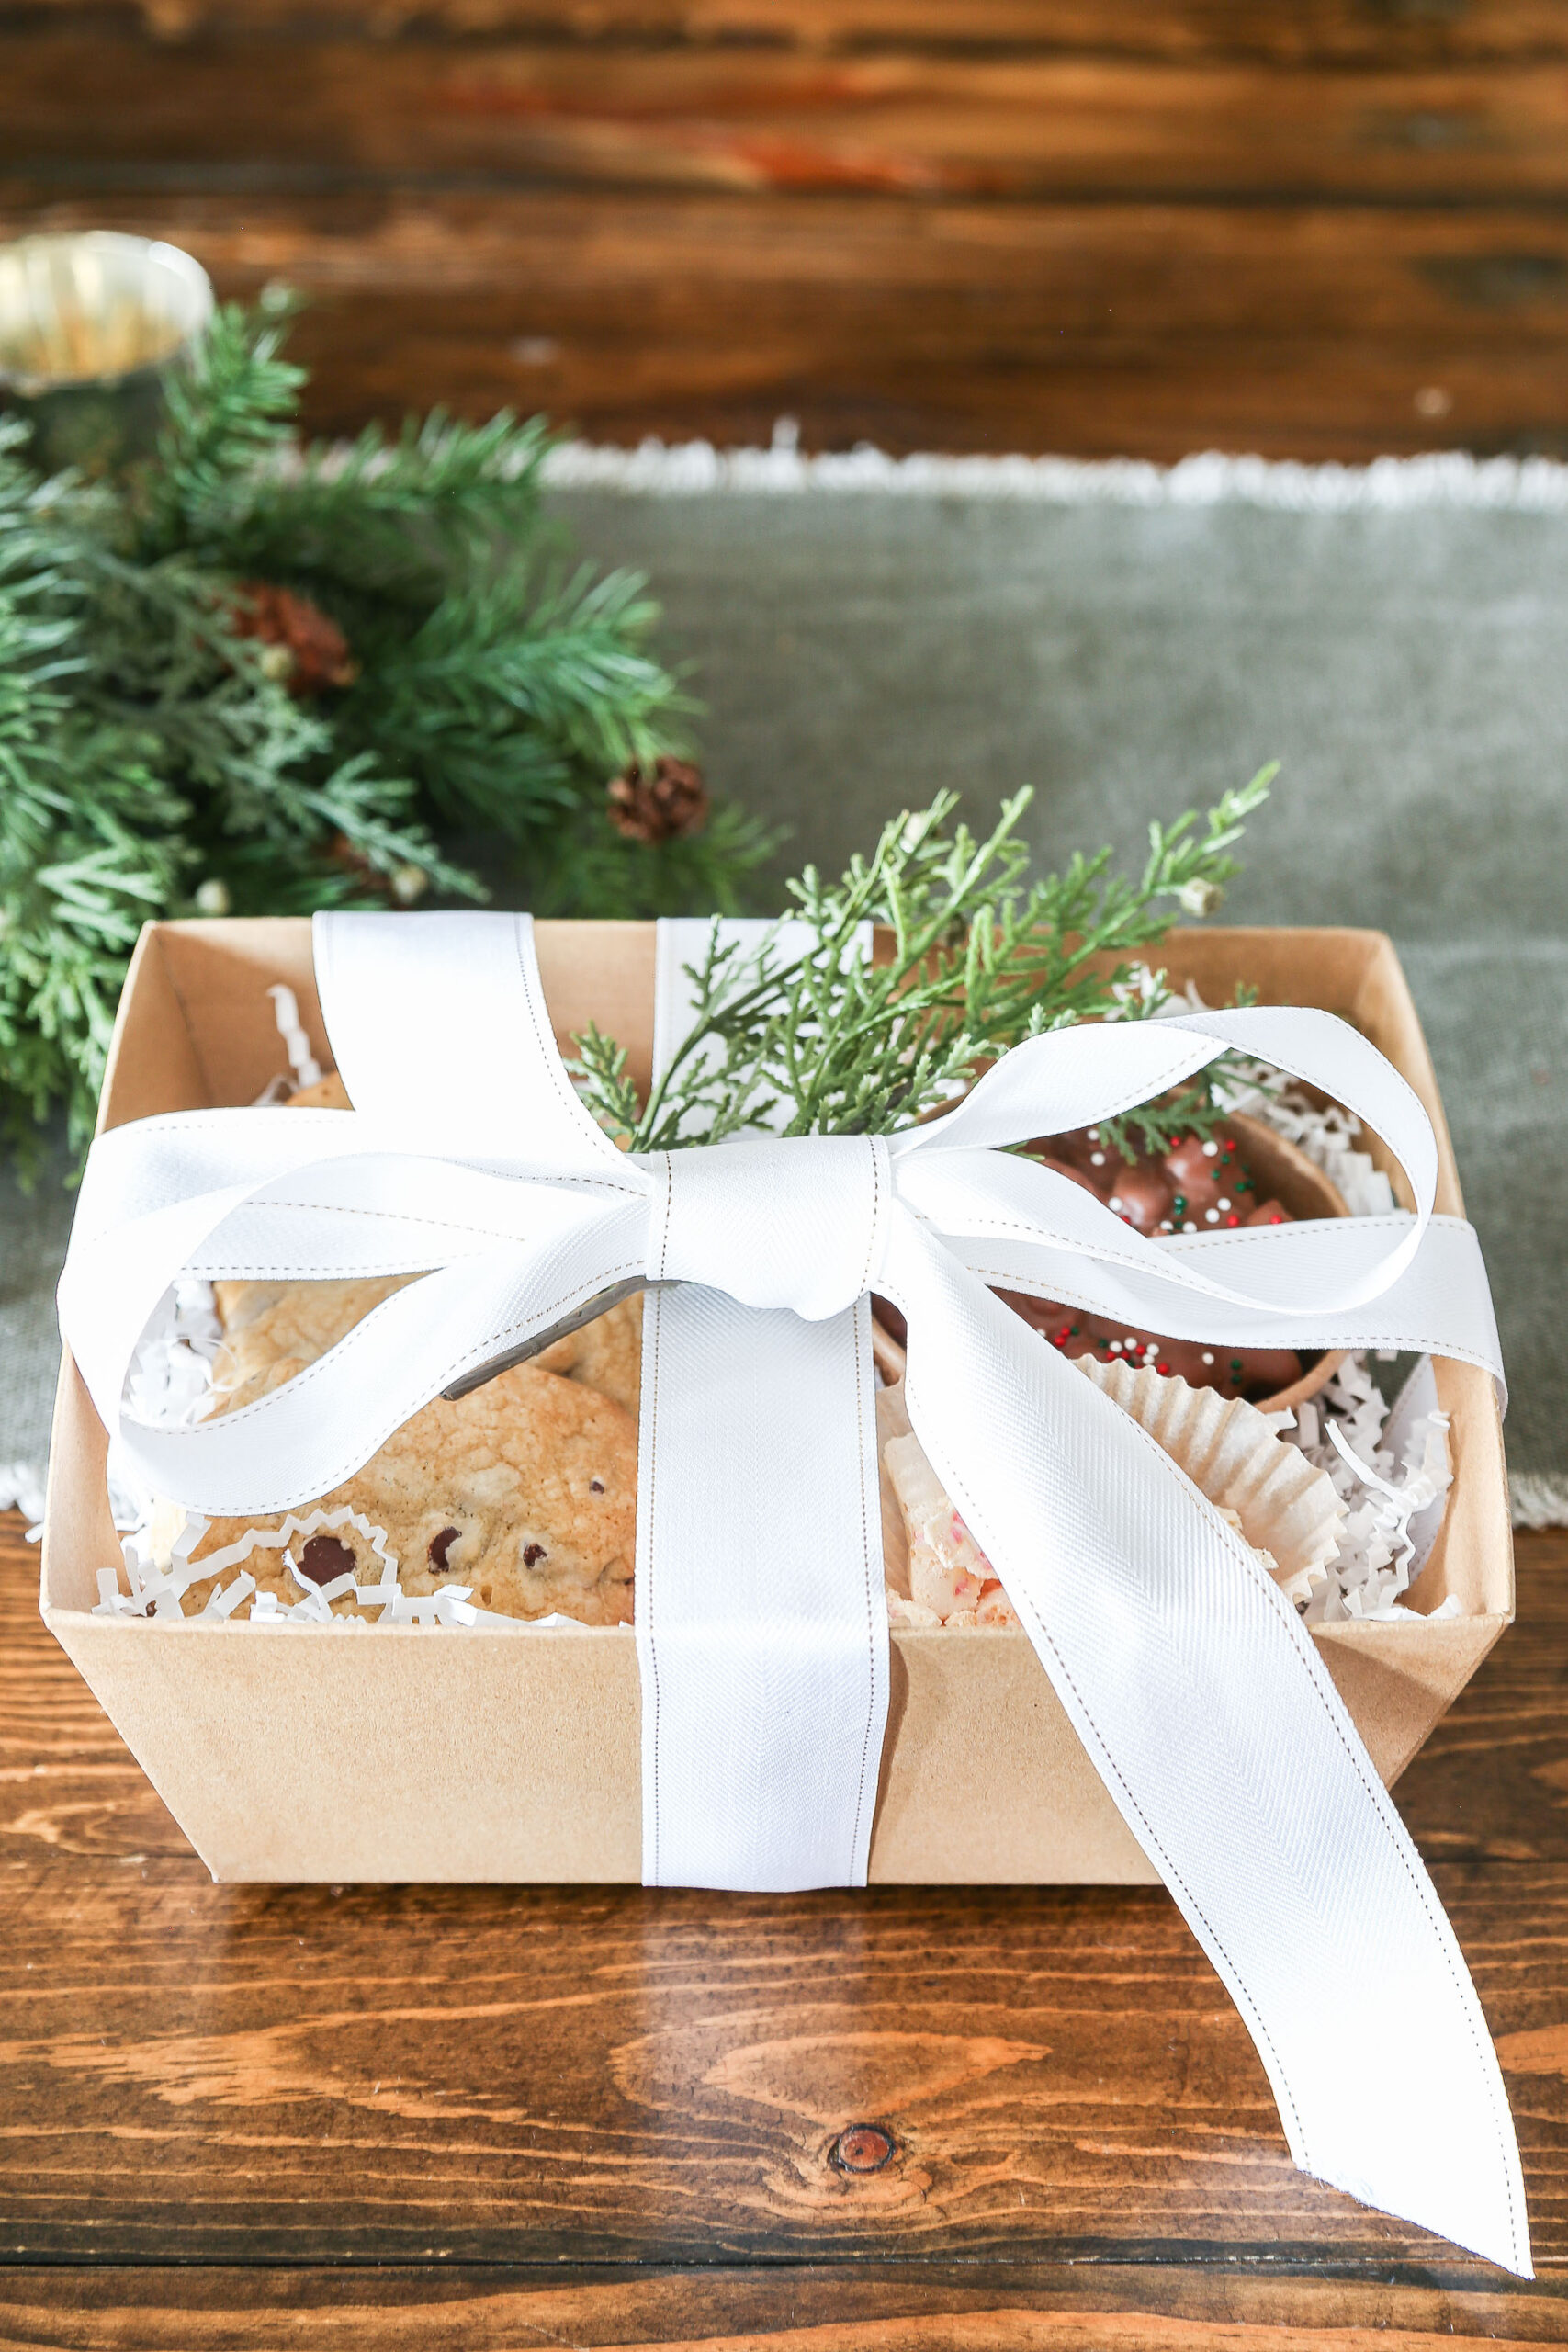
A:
{"x": 155, "y": 762}
{"x": 980, "y": 958}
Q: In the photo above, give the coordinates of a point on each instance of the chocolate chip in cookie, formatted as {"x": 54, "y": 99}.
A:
{"x": 324, "y": 1557}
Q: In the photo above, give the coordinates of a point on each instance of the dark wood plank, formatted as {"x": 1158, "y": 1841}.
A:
{"x": 874, "y": 2307}
{"x": 314, "y": 2075}
{"x": 1094, "y": 330}
{"x": 1311, "y": 228}
{"x": 290, "y": 112}
{"x": 1289, "y": 32}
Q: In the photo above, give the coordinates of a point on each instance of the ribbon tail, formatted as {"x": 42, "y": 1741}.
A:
{"x": 1201, "y": 1699}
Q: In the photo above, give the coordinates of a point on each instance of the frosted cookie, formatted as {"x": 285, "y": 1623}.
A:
{"x": 525, "y": 1490}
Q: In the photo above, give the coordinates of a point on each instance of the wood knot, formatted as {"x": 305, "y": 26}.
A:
{"x": 861, "y": 2148}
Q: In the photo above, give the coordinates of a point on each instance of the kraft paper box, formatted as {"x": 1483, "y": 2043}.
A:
{"x": 537, "y": 1738}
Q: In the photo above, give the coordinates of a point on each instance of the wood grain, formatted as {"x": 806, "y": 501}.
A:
{"x": 1310, "y": 228}
{"x": 874, "y": 2307}
{"x": 1284, "y": 32}
{"x": 308, "y": 2076}
{"x": 290, "y": 112}
{"x": 1136, "y": 329}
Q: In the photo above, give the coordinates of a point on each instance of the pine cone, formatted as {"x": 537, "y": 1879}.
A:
{"x": 317, "y": 650}
{"x": 658, "y": 804}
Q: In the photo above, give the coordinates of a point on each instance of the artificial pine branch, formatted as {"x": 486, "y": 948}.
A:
{"x": 165, "y": 751}
{"x": 411, "y": 513}
{"x": 507, "y": 692}
{"x": 978, "y": 960}
{"x": 228, "y": 412}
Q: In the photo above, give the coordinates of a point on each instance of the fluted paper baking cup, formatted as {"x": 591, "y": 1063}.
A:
{"x": 1284, "y": 1507}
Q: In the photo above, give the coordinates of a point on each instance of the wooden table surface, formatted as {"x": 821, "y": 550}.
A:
{"x": 495, "y": 2117}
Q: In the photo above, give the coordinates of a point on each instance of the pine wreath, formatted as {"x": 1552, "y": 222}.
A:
{"x": 260, "y": 676}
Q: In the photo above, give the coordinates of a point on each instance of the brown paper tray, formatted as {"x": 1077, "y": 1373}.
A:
{"x": 396, "y": 1753}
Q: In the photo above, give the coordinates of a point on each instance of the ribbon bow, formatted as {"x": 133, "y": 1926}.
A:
{"x": 760, "y": 1622}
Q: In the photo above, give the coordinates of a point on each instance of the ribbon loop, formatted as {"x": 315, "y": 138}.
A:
{"x": 798, "y": 1222}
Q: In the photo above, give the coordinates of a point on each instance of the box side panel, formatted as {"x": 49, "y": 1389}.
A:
{"x": 602, "y": 972}
{"x": 1326, "y": 967}
{"x": 152, "y": 1062}
{"x": 985, "y": 1781}
{"x": 212, "y": 978}
{"x": 512, "y": 1759}
{"x": 1385, "y": 1012}
{"x": 78, "y": 1530}
{"x": 219, "y": 973}
{"x": 1398, "y": 1679}
{"x": 380, "y": 1757}
{"x": 215, "y": 974}
{"x": 1473, "y": 1559}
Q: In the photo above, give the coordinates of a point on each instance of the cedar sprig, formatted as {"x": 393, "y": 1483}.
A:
{"x": 979, "y": 959}
{"x": 1155, "y": 1128}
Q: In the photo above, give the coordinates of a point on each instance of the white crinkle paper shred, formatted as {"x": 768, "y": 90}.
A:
{"x": 1323, "y": 1131}
{"x": 302, "y": 1062}
{"x": 1342, "y": 1430}
{"x": 158, "y": 1587}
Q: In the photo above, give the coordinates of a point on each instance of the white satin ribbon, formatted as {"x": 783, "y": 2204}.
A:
{"x": 1190, "y": 1680}
{"x": 761, "y": 1634}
